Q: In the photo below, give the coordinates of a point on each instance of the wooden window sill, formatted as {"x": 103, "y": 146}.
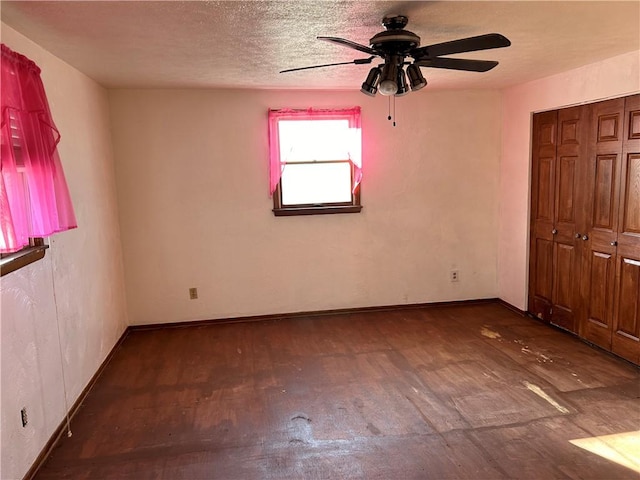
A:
{"x": 319, "y": 210}
{"x": 22, "y": 258}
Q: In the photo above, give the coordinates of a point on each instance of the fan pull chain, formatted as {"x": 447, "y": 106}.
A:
{"x": 394, "y": 110}
{"x": 390, "y": 116}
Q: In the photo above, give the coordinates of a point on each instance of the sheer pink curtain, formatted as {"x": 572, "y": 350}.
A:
{"x": 353, "y": 149}
{"x": 34, "y": 198}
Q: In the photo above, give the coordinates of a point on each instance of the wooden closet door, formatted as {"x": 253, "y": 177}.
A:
{"x": 545, "y": 127}
{"x": 559, "y": 139}
{"x": 626, "y": 324}
{"x": 602, "y": 187}
{"x": 569, "y": 221}
{"x": 584, "y": 264}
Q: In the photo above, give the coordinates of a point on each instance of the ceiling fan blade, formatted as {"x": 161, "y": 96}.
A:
{"x": 471, "y": 44}
{"x": 349, "y": 43}
{"x": 457, "y": 64}
{"x": 357, "y": 61}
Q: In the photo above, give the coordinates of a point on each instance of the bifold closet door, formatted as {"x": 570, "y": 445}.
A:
{"x": 545, "y": 127}
{"x": 556, "y": 219}
{"x": 584, "y": 264}
{"x": 626, "y": 324}
{"x": 569, "y": 216}
{"x": 611, "y": 265}
{"x": 603, "y": 195}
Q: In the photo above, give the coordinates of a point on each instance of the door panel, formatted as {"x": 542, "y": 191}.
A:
{"x": 602, "y": 190}
{"x": 599, "y": 318}
{"x": 629, "y": 292}
{"x": 545, "y": 190}
{"x": 544, "y": 268}
{"x": 605, "y": 201}
{"x": 568, "y": 221}
{"x": 631, "y": 198}
{"x": 609, "y": 124}
{"x": 540, "y": 301}
{"x": 564, "y": 281}
{"x": 566, "y": 190}
{"x": 542, "y": 214}
{"x": 626, "y": 332}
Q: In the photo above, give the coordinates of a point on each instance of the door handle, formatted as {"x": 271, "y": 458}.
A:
{"x": 614, "y": 243}
{"x": 585, "y": 237}
{"x": 554, "y": 231}
{"x": 578, "y": 235}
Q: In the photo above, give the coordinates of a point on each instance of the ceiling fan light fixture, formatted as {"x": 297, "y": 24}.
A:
{"x": 415, "y": 77}
{"x": 388, "y": 87}
{"x": 370, "y": 85}
{"x": 394, "y": 45}
{"x": 389, "y": 80}
{"x": 403, "y": 88}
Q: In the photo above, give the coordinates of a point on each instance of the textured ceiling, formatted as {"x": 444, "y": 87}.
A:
{"x": 246, "y": 43}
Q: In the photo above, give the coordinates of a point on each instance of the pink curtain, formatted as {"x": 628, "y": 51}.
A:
{"x": 34, "y": 198}
{"x": 352, "y": 114}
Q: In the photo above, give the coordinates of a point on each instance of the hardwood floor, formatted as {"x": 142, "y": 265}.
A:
{"x": 471, "y": 391}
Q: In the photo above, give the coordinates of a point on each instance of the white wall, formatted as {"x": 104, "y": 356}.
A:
{"x": 614, "y": 77}
{"x": 191, "y": 169}
{"x": 79, "y": 283}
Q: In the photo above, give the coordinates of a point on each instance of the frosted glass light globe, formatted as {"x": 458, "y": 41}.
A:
{"x": 388, "y": 87}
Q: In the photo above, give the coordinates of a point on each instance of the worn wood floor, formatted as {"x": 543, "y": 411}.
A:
{"x": 472, "y": 391}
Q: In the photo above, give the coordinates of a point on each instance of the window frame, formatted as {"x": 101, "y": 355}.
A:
{"x": 352, "y": 206}
{"x": 10, "y": 262}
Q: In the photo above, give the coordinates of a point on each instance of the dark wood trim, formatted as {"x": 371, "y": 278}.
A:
{"x": 313, "y": 313}
{"x": 58, "y": 432}
{"x": 513, "y": 308}
{"x": 317, "y": 162}
{"x": 22, "y": 258}
{"x": 319, "y": 210}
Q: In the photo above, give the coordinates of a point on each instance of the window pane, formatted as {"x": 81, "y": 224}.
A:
{"x": 309, "y": 140}
{"x": 314, "y": 183}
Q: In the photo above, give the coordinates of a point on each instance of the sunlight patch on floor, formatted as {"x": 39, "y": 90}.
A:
{"x": 621, "y": 448}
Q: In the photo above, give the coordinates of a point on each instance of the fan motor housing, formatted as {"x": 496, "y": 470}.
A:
{"x": 399, "y": 42}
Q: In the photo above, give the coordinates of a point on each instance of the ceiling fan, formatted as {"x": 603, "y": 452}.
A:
{"x": 396, "y": 44}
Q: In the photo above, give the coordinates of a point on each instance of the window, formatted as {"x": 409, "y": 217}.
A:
{"x": 34, "y": 198}
{"x": 36, "y": 247}
{"x": 315, "y": 161}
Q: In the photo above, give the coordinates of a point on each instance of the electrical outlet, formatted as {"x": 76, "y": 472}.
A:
{"x": 455, "y": 275}
{"x": 193, "y": 293}
{"x": 23, "y": 416}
